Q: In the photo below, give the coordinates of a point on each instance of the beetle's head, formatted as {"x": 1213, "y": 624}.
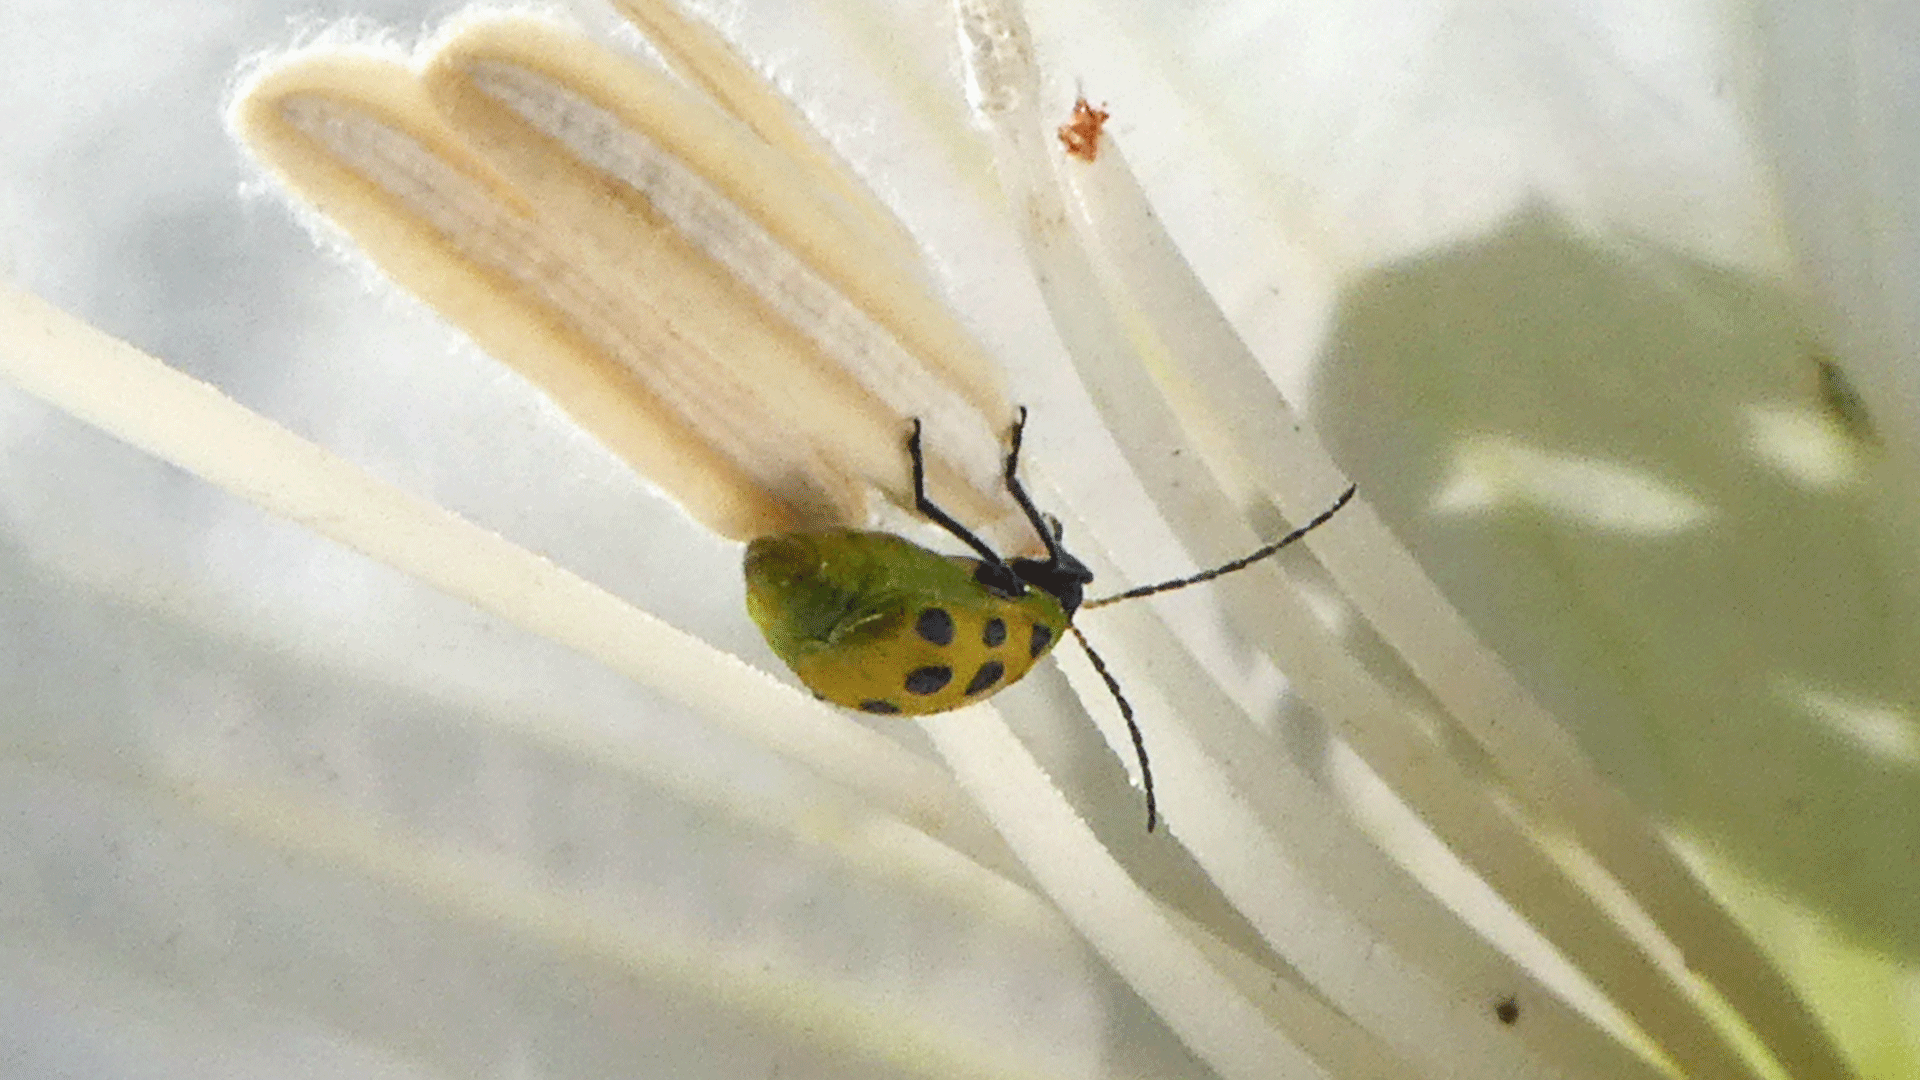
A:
{"x": 1063, "y": 576}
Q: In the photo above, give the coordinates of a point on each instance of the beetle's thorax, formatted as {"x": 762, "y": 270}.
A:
{"x": 1063, "y": 577}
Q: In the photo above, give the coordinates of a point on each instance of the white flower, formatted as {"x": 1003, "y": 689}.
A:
{"x": 1564, "y": 292}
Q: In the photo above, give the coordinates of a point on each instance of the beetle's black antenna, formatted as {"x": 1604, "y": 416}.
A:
{"x": 1133, "y": 729}
{"x": 1237, "y": 564}
{"x": 934, "y": 513}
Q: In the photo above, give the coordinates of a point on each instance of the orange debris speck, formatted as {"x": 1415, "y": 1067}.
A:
{"x": 1081, "y": 135}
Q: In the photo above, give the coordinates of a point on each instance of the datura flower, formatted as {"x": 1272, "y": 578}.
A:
{"x": 1582, "y": 743}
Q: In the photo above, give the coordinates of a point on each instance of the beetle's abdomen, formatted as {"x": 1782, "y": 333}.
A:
{"x": 873, "y": 622}
{"x": 931, "y": 660}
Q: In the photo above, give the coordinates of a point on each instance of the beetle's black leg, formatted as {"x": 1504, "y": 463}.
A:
{"x": 1049, "y": 537}
{"x": 934, "y": 513}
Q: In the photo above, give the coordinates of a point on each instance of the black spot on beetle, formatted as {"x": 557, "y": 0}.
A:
{"x": 988, "y": 674}
{"x": 935, "y": 625}
{"x": 928, "y": 680}
{"x": 1508, "y": 1010}
{"x": 1041, "y": 636}
{"x": 994, "y": 634}
{"x": 881, "y": 708}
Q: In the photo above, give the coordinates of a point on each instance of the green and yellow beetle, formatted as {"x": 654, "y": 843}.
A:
{"x": 875, "y": 622}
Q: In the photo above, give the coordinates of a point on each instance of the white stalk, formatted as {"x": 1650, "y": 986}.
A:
{"x": 185, "y": 422}
{"x": 1205, "y": 368}
{"x": 1232, "y": 413}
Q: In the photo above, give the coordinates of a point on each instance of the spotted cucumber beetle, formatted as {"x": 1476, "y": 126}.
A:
{"x": 875, "y": 622}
